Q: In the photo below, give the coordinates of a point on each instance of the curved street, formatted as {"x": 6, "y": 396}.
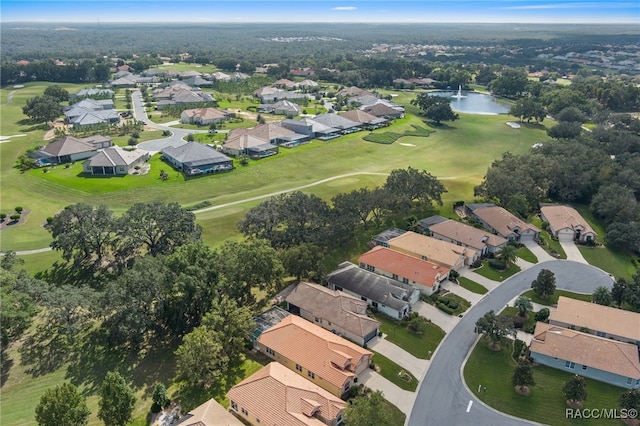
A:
{"x": 443, "y": 398}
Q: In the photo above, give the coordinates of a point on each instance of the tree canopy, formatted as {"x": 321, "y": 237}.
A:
{"x": 117, "y": 400}
{"x": 368, "y": 410}
{"x": 545, "y": 283}
{"x": 496, "y": 328}
{"x": 436, "y": 108}
{"x": 63, "y": 405}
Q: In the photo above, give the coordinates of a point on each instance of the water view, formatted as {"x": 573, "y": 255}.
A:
{"x": 473, "y": 103}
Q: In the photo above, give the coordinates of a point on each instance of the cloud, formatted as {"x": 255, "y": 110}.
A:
{"x": 345, "y": 8}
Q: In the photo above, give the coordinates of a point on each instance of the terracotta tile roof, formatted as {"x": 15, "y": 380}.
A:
{"x": 280, "y": 397}
{"x": 405, "y": 266}
{"x": 467, "y": 235}
{"x": 432, "y": 249}
{"x": 503, "y": 221}
{"x": 586, "y": 349}
{"x": 314, "y": 348}
{"x": 561, "y": 217}
{"x": 610, "y": 320}
{"x": 209, "y": 414}
{"x": 343, "y": 310}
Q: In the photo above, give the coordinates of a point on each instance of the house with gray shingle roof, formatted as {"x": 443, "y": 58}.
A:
{"x": 114, "y": 161}
{"x": 194, "y": 159}
{"x": 277, "y": 135}
{"x": 365, "y": 119}
{"x": 247, "y": 144}
{"x": 283, "y": 107}
{"x": 311, "y": 128}
{"x": 68, "y": 149}
{"x": 391, "y": 297}
{"x": 338, "y": 122}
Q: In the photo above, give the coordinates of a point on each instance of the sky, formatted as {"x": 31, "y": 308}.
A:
{"x": 351, "y": 11}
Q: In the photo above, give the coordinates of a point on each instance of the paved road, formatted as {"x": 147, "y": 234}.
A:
{"x": 443, "y": 398}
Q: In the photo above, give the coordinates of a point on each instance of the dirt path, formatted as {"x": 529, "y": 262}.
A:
{"x": 10, "y": 97}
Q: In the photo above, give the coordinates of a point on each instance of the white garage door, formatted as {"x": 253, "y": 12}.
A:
{"x": 565, "y": 236}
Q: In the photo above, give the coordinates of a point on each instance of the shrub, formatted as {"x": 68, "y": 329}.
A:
{"x": 529, "y": 328}
{"x": 497, "y": 264}
{"x": 18, "y": 210}
{"x": 518, "y": 347}
{"x": 444, "y": 308}
{"x": 132, "y": 141}
{"x": 3, "y": 216}
{"x": 518, "y": 321}
{"x": 15, "y": 217}
{"x": 49, "y": 220}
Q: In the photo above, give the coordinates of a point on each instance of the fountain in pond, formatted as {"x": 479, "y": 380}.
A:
{"x": 459, "y": 94}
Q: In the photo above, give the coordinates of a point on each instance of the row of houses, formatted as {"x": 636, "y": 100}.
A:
{"x": 595, "y": 341}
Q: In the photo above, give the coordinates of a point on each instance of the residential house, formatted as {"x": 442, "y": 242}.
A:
{"x": 326, "y": 359}
{"x": 333, "y": 310}
{"x": 220, "y": 76}
{"x": 422, "y": 274}
{"x": 603, "y": 321}
{"x": 203, "y": 116}
{"x": 194, "y": 158}
{"x": 366, "y": 120}
{"x": 381, "y": 110}
{"x": 598, "y": 358}
{"x": 265, "y": 321}
{"x": 198, "y": 81}
{"x": 209, "y": 413}
{"x": 501, "y": 222}
{"x": 301, "y": 71}
{"x": 126, "y": 81}
{"x": 437, "y": 251}
{"x": 114, "y": 161}
{"x": 277, "y": 135}
{"x": 306, "y": 84}
{"x": 352, "y": 91}
{"x": 89, "y": 93}
{"x": 283, "y": 107}
{"x": 284, "y": 83}
{"x": 68, "y": 149}
{"x": 275, "y": 395}
{"x": 180, "y": 93}
{"x": 246, "y": 144}
{"x": 335, "y": 121}
{"x": 91, "y": 112}
{"x": 265, "y": 92}
{"x": 311, "y": 128}
{"x": 271, "y": 95}
{"x": 464, "y": 235}
{"x": 566, "y": 224}
{"x": 392, "y": 298}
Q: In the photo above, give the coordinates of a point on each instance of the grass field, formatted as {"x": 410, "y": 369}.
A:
{"x": 546, "y": 404}
{"x": 525, "y": 254}
{"x": 442, "y": 154}
{"x": 553, "y": 299}
{"x": 418, "y": 345}
{"x": 471, "y": 285}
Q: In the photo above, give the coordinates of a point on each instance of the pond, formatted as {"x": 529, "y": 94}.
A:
{"x": 473, "y": 103}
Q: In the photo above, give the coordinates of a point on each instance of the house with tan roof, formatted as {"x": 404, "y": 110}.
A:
{"x": 203, "y": 116}
{"x": 69, "y": 148}
{"x": 284, "y": 83}
{"x": 382, "y": 110}
{"x": 422, "y": 274}
{"x": 499, "y": 221}
{"x": 114, "y": 161}
{"x": 464, "y": 235}
{"x": 275, "y": 395}
{"x": 566, "y": 224}
{"x": 603, "y": 321}
{"x": 333, "y": 310}
{"x": 368, "y": 121}
{"x": 391, "y": 297}
{"x": 246, "y": 144}
{"x": 326, "y": 359}
{"x": 437, "y": 251}
{"x": 598, "y": 358}
{"x": 209, "y": 414}
{"x": 275, "y": 134}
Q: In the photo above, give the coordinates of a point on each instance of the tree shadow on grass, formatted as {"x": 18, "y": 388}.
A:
{"x": 439, "y": 126}
{"x": 44, "y": 352}
{"x": 66, "y": 273}
{"x": 5, "y": 366}
{"x": 35, "y": 125}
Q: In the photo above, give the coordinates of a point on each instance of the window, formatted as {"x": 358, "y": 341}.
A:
{"x": 629, "y": 380}
{"x": 374, "y": 304}
{"x": 347, "y": 386}
{"x": 310, "y": 374}
{"x": 405, "y": 280}
{"x": 570, "y": 364}
{"x": 394, "y": 276}
{"x": 329, "y": 323}
{"x": 371, "y": 268}
{"x": 234, "y": 406}
{"x": 271, "y": 352}
{"x": 584, "y": 367}
{"x": 318, "y": 320}
{"x": 339, "y": 419}
{"x": 338, "y": 288}
{"x": 245, "y": 412}
{"x": 600, "y": 334}
{"x": 363, "y": 298}
{"x": 298, "y": 367}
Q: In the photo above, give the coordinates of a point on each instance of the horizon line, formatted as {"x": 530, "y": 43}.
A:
{"x": 323, "y": 22}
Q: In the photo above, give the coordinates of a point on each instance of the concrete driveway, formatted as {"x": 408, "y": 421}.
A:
{"x": 439, "y": 318}
{"x": 540, "y": 253}
{"x": 572, "y": 252}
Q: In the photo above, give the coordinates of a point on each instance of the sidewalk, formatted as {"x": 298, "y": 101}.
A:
{"x": 399, "y": 397}
{"x": 404, "y": 359}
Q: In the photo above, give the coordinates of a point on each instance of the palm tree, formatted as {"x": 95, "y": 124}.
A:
{"x": 602, "y": 296}
{"x": 523, "y": 305}
{"x": 507, "y": 254}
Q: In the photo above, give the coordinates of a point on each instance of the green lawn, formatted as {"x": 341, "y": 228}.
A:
{"x": 614, "y": 262}
{"x": 419, "y": 345}
{"x": 486, "y": 136}
{"x": 553, "y": 299}
{"x": 471, "y": 285}
{"x": 394, "y": 373}
{"x": 495, "y": 275}
{"x": 397, "y": 416}
{"x": 546, "y": 404}
{"x": 529, "y": 321}
{"x": 463, "y": 304}
{"x": 525, "y": 254}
